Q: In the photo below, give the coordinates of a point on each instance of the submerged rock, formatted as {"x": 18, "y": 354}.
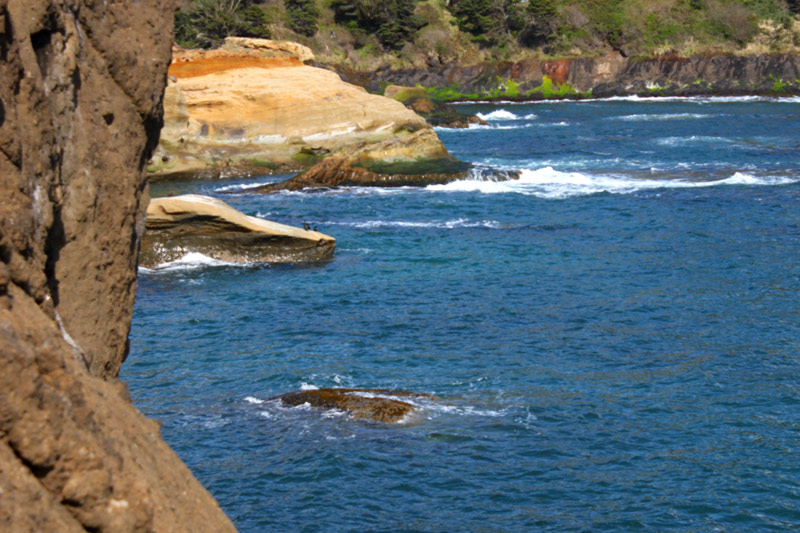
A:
{"x": 380, "y": 405}
{"x": 437, "y": 113}
{"x": 192, "y": 223}
{"x": 392, "y": 163}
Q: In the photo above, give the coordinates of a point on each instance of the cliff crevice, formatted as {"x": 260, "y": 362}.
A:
{"x": 81, "y": 88}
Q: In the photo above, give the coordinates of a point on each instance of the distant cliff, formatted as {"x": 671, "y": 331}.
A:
{"x": 609, "y": 75}
{"x": 81, "y": 87}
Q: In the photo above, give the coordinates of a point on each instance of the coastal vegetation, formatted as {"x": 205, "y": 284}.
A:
{"x": 415, "y": 32}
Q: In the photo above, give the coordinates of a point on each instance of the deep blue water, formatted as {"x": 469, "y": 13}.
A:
{"x": 615, "y": 339}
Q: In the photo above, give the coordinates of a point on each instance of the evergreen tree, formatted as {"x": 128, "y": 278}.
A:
{"x": 473, "y": 16}
{"x": 206, "y": 23}
{"x": 302, "y": 16}
{"x": 541, "y": 24}
{"x": 393, "y": 22}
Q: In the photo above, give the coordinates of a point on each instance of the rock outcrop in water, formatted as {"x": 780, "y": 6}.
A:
{"x": 438, "y": 114}
{"x": 381, "y": 405}
{"x": 81, "y": 85}
{"x": 191, "y": 223}
{"x": 391, "y": 163}
{"x": 246, "y": 108}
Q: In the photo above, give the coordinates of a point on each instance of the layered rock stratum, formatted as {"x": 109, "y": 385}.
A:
{"x": 254, "y": 106}
{"x": 81, "y": 87}
{"x": 190, "y": 223}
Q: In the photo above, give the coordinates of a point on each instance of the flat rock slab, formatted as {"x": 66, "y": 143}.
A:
{"x": 381, "y": 405}
{"x": 180, "y": 225}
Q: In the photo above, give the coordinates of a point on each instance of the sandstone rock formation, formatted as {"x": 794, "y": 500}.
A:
{"x": 192, "y": 223}
{"x": 248, "y": 108}
{"x": 380, "y": 405}
{"x": 81, "y": 86}
{"x": 391, "y": 163}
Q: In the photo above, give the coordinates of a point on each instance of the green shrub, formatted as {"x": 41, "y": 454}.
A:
{"x": 393, "y": 22}
{"x": 206, "y": 23}
{"x": 302, "y": 16}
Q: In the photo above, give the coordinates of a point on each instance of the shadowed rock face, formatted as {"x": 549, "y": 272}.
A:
{"x": 380, "y": 405}
{"x": 192, "y": 223}
{"x": 607, "y": 75}
{"x": 81, "y": 85}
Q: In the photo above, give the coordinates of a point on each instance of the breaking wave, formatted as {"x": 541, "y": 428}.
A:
{"x": 550, "y": 183}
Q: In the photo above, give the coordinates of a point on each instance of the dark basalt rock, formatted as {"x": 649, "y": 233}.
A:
{"x": 380, "y": 405}
{"x": 610, "y": 75}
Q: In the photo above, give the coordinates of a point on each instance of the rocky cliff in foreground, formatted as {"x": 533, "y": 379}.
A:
{"x": 81, "y": 87}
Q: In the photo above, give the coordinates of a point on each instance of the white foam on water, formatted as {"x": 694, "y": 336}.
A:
{"x": 485, "y": 127}
{"x": 358, "y": 191}
{"x": 498, "y": 114}
{"x": 334, "y": 413}
{"x": 308, "y": 386}
{"x": 189, "y": 261}
{"x": 666, "y": 116}
{"x": 699, "y": 99}
{"x": 646, "y": 99}
{"x": 466, "y": 410}
{"x": 242, "y": 186}
{"x": 447, "y": 224}
{"x": 531, "y": 116}
{"x": 266, "y": 414}
{"x": 692, "y": 139}
{"x": 253, "y": 400}
{"x": 553, "y": 184}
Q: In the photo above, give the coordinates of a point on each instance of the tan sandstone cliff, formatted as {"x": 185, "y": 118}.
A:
{"x": 81, "y": 86}
{"x": 253, "y": 106}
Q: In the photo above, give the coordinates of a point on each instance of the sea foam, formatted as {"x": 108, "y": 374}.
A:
{"x": 445, "y": 224}
{"x": 499, "y": 114}
{"x": 553, "y": 184}
{"x": 189, "y": 261}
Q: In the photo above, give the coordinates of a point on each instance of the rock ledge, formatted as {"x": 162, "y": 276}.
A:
{"x": 192, "y": 223}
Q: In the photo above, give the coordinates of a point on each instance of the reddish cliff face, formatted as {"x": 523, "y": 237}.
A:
{"x": 81, "y": 85}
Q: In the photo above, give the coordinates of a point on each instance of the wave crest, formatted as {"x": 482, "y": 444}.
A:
{"x": 553, "y": 184}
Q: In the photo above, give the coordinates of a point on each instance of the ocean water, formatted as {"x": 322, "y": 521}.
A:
{"x": 614, "y": 340}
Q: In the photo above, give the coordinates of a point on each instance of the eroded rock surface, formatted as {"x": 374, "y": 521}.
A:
{"x": 381, "y": 405}
{"x": 192, "y": 223}
{"x": 242, "y": 109}
{"x": 80, "y": 109}
{"x": 392, "y": 163}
